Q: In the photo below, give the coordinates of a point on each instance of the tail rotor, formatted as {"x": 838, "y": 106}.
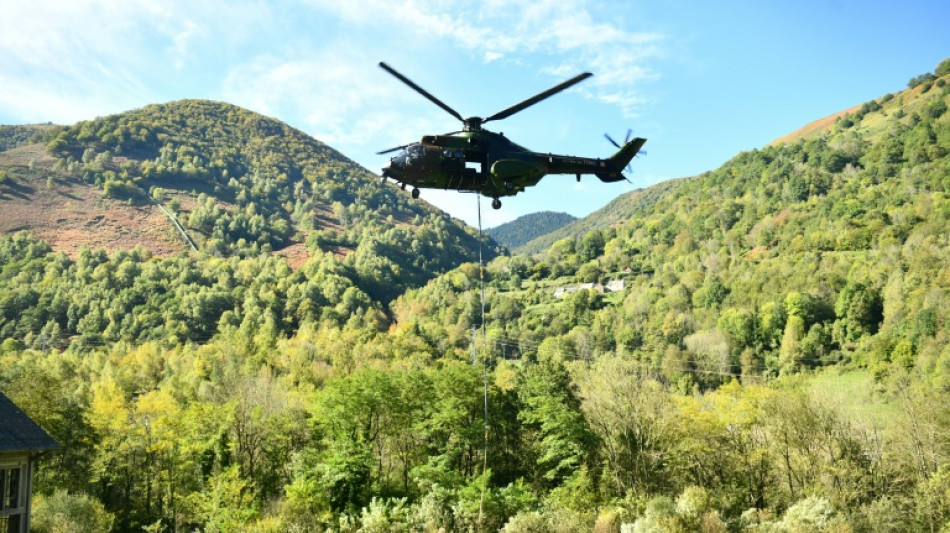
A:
{"x": 626, "y": 140}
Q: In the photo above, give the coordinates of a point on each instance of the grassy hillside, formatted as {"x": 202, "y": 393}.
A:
{"x": 71, "y": 214}
{"x": 869, "y": 118}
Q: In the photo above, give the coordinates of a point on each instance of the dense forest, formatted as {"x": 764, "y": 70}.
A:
{"x": 762, "y": 347}
{"x": 528, "y": 227}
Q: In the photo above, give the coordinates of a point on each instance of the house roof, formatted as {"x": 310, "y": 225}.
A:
{"x": 18, "y": 432}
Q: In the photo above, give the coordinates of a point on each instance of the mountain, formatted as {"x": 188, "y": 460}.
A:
{"x": 806, "y": 280}
{"x": 868, "y": 118}
{"x": 527, "y": 227}
{"x": 827, "y": 247}
{"x": 219, "y": 179}
{"x": 621, "y": 208}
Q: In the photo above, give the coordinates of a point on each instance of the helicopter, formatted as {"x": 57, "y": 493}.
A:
{"x": 477, "y": 160}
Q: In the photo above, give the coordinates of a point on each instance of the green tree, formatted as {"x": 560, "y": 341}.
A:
{"x": 791, "y": 356}
{"x": 860, "y": 311}
{"x": 592, "y": 245}
{"x": 559, "y": 437}
{"x": 739, "y": 324}
{"x": 711, "y": 294}
{"x": 630, "y": 414}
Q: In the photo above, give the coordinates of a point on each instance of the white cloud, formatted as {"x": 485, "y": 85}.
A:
{"x": 491, "y": 56}
{"x": 562, "y": 34}
{"x": 181, "y": 40}
{"x": 101, "y": 56}
{"x": 67, "y": 59}
{"x": 335, "y": 96}
{"x": 70, "y": 60}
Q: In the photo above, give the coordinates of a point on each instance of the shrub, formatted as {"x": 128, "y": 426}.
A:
{"x": 63, "y": 512}
{"x": 11, "y": 345}
{"x": 526, "y": 522}
{"x": 936, "y": 109}
{"x": 917, "y": 80}
{"x": 943, "y": 68}
{"x": 811, "y": 514}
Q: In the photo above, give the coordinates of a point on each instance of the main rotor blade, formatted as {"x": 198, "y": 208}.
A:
{"x": 535, "y": 99}
{"x": 421, "y": 91}
{"x": 392, "y": 149}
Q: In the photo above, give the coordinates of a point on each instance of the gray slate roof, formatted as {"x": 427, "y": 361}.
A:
{"x": 18, "y": 432}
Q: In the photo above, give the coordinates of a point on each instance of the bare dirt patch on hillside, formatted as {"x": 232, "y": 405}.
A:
{"x": 70, "y": 214}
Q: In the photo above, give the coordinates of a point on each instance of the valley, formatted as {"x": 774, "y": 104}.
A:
{"x": 333, "y": 357}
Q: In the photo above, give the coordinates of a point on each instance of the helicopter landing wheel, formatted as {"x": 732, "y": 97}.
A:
{"x": 496, "y": 204}
{"x": 415, "y": 193}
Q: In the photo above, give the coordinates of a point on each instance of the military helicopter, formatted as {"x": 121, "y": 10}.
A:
{"x": 482, "y": 161}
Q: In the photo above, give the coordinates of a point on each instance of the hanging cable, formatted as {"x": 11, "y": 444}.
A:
{"x": 481, "y": 284}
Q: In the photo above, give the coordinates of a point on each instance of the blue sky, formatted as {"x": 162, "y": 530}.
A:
{"x": 701, "y": 81}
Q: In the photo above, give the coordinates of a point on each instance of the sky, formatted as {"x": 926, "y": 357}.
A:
{"x": 702, "y": 81}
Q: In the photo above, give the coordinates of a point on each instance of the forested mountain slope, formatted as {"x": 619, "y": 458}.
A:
{"x": 238, "y": 183}
{"x": 525, "y": 228}
{"x": 621, "y": 208}
{"x": 829, "y": 251}
{"x": 843, "y": 236}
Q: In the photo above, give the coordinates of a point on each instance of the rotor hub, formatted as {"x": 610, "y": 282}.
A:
{"x": 473, "y": 124}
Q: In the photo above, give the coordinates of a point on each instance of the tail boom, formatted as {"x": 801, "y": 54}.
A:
{"x": 607, "y": 170}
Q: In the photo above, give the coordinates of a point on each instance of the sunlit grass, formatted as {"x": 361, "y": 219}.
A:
{"x": 854, "y": 394}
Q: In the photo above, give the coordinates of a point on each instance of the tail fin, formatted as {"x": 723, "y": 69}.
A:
{"x": 623, "y": 156}
{"x": 620, "y": 160}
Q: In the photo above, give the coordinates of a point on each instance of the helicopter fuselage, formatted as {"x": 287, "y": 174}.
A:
{"x": 484, "y": 162}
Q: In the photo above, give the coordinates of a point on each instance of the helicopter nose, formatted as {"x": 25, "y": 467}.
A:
{"x": 391, "y": 170}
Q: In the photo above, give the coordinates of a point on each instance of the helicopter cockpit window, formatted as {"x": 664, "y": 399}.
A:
{"x": 459, "y": 154}
{"x": 415, "y": 151}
